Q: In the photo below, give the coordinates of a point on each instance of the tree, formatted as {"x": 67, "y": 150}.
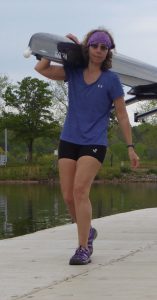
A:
{"x": 28, "y": 112}
{"x": 146, "y": 135}
{"x": 3, "y": 85}
{"x": 146, "y": 106}
{"x": 60, "y": 100}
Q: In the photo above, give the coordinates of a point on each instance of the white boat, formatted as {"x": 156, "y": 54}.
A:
{"x": 141, "y": 77}
{"x": 132, "y": 71}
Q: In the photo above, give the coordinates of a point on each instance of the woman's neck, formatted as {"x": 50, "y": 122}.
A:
{"x": 93, "y": 68}
{"x": 91, "y": 73}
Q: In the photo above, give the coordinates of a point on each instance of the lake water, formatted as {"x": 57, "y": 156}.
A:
{"x": 26, "y": 208}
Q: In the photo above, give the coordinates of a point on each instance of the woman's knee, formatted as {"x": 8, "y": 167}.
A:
{"x": 80, "y": 192}
{"x": 68, "y": 197}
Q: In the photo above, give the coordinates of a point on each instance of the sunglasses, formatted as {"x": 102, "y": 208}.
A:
{"x": 102, "y": 47}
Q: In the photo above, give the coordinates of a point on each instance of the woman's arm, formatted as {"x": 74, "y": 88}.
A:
{"x": 73, "y": 38}
{"x": 53, "y": 72}
{"x": 124, "y": 123}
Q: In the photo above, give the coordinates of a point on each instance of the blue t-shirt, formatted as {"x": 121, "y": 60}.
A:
{"x": 89, "y": 107}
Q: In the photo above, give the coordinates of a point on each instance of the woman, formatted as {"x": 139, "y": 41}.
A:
{"x": 92, "y": 91}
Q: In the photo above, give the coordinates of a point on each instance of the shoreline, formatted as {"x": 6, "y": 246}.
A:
{"x": 124, "y": 179}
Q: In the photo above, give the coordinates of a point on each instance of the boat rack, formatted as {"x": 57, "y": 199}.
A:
{"x": 143, "y": 92}
{"x": 140, "y": 93}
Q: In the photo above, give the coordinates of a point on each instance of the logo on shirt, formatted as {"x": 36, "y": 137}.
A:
{"x": 100, "y": 86}
{"x": 95, "y": 150}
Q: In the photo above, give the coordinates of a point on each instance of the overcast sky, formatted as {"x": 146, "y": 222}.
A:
{"x": 132, "y": 23}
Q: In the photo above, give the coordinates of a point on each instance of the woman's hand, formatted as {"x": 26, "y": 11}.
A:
{"x": 73, "y": 38}
{"x": 134, "y": 159}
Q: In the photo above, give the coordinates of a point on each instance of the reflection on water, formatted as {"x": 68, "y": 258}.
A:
{"x": 28, "y": 208}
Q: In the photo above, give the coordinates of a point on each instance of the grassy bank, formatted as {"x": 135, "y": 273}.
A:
{"x": 48, "y": 172}
{"x": 30, "y": 172}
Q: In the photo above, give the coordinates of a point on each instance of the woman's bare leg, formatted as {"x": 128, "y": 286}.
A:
{"x": 67, "y": 169}
{"x": 86, "y": 169}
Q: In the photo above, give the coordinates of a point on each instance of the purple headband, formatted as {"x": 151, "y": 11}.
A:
{"x": 100, "y": 37}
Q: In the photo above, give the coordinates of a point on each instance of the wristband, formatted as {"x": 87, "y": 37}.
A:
{"x": 131, "y": 146}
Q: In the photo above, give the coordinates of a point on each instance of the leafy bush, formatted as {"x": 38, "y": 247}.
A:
{"x": 31, "y": 172}
{"x": 152, "y": 171}
{"x": 125, "y": 169}
{"x": 109, "y": 173}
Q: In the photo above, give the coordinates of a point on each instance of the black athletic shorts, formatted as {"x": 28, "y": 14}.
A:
{"x": 75, "y": 151}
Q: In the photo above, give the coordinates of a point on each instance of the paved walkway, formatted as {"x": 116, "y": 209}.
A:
{"x": 124, "y": 263}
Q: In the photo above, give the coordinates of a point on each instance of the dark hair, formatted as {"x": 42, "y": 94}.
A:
{"x": 107, "y": 63}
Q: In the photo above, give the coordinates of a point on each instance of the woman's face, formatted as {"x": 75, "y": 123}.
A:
{"x": 97, "y": 53}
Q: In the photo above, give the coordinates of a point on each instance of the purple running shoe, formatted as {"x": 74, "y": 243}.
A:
{"x": 92, "y": 236}
{"x": 81, "y": 257}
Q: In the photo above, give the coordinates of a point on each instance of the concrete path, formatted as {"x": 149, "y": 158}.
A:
{"x": 124, "y": 263}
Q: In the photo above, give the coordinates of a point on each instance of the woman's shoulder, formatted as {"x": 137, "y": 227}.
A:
{"x": 73, "y": 70}
{"x": 110, "y": 73}
{"x": 70, "y": 68}
{"x": 73, "y": 73}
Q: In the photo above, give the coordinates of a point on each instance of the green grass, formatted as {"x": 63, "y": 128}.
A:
{"x": 33, "y": 172}
{"x": 49, "y": 171}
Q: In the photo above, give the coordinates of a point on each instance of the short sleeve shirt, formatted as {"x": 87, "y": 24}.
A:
{"x": 89, "y": 107}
